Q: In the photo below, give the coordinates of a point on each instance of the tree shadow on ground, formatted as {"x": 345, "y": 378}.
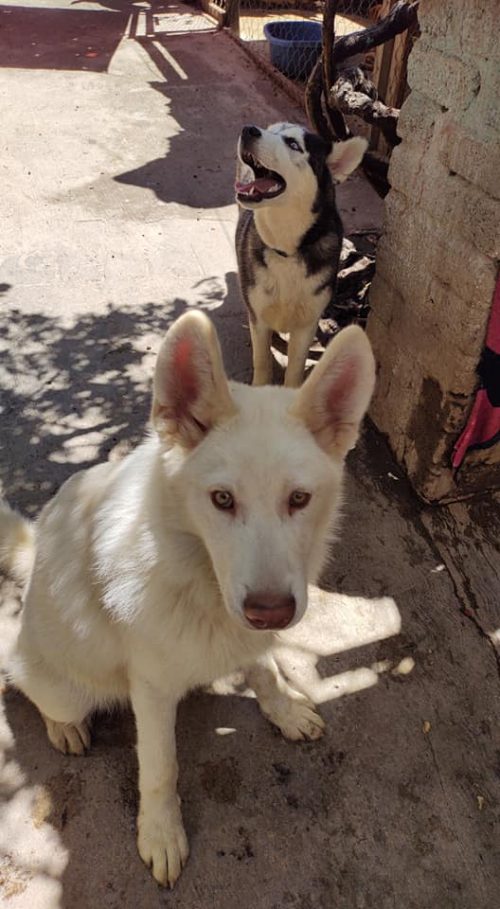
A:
{"x": 75, "y": 392}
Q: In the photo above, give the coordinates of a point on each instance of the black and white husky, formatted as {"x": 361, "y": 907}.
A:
{"x": 289, "y": 235}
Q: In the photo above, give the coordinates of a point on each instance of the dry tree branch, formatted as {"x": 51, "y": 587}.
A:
{"x": 313, "y": 101}
{"x": 328, "y": 120}
{"x": 333, "y": 116}
{"x": 328, "y": 44}
{"x": 355, "y": 94}
{"x": 401, "y": 17}
{"x": 325, "y": 118}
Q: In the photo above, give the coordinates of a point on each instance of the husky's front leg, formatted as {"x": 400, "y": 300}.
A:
{"x": 299, "y": 343}
{"x": 161, "y": 839}
{"x": 261, "y": 353}
{"x": 289, "y": 710}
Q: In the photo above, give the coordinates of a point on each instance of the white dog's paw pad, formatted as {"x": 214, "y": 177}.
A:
{"x": 70, "y": 738}
{"x": 300, "y": 721}
{"x": 163, "y": 847}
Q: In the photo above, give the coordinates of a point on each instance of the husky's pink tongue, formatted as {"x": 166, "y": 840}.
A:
{"x": 262, "y": 185}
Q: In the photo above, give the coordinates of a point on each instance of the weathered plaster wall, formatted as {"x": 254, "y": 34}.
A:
{"x": 439, "y": 256}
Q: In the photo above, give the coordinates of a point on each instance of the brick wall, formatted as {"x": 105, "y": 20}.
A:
{"x": 439, "y": 255}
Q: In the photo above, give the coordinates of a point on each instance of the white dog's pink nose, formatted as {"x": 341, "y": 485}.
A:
{"x": 269, "y": 611}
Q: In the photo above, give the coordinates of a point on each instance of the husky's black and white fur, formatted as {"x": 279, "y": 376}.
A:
{"x": 289, "y": 235}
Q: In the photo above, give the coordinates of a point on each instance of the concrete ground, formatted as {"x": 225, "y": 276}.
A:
{"x": 119, "y": 124}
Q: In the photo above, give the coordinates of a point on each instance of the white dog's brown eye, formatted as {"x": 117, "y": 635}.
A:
{"x": 298, "y": 499}
{"x": 222, "y": 499}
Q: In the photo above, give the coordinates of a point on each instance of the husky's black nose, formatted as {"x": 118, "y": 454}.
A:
{"x": 250, "y": 132}
{"x": 269, "y": 611}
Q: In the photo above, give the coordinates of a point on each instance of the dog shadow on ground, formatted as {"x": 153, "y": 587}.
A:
{"x": 181, "y": 48}
{"x": 198, "y": 157}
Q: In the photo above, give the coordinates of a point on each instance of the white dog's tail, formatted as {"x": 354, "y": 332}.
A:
{"x": 17, "y": 543}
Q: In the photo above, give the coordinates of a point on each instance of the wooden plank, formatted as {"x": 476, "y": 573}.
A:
{"x": 383, "y": 54}
{"x": 215, "y": 11}
{"x": 389, "y": 76}
{"x": 232, "y": 20}
{"x": 397, "y": 84}
{"x": 381, "y": 70}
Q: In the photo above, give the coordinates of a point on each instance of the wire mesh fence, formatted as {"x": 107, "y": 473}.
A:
{"x": 286, "y": 34}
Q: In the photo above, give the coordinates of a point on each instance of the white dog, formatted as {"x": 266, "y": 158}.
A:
{"x": 154, "y": 575}
{"x": 289, "y": 235}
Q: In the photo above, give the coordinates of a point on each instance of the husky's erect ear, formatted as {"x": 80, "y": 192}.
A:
{"x": 334, "y": 398}
{"x": 345, "y": 157}
{"x": 190, "y": 390}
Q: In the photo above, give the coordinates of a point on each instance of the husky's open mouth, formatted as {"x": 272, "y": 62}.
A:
{"x": 266, "y": 184}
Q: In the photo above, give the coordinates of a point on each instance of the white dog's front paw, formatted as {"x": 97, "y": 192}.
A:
{"x": 162, "y": 844}
{"x": 297, "y": 719}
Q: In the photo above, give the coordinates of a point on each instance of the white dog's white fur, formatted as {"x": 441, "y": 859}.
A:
{"x": 142, "y": 569}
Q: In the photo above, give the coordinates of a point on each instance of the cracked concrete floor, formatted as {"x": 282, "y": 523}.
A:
{"x": 119, "y": 124}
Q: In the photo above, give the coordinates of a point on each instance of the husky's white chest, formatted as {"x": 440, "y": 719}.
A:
{"x": 284, "y": 296}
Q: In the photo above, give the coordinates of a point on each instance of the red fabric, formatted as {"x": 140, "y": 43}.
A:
{"x": 493, "y": 336}
{"x": 483, "y": 425}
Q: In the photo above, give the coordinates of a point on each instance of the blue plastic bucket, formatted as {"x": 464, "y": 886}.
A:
{"x": 295, "y": 46}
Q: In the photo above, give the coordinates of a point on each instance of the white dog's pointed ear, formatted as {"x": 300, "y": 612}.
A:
{"x": 335, "y": 397}
{"x": 345, "y": 157}
{"x": 190, "y": 390}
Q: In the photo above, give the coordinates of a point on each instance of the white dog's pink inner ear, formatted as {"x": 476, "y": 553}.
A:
{"x": 183, "y": 379}
{"x": 191, "y": 394}
{"x": 339, "y": 396}
{"x": 335, "y": 422}
{"x": 334, "y": 398}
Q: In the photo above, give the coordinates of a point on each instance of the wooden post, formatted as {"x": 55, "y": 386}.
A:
{"x": 232, "y": 17}
{"x": 389, "y": 73}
